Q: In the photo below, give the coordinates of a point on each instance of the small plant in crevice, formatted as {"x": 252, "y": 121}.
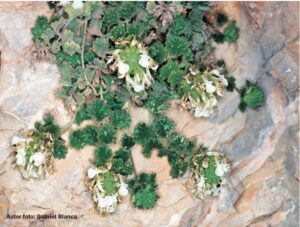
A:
{"x": 36, "y": 148}
{"x": 230, "y": 32}
{"x": 252, "y": 96}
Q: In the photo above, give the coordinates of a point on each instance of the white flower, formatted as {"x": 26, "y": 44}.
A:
{"x": 17, "y": 140}
{"x": 77, "y": 4}
{"x": 64, "y": 2}
{"x": 144, "y": 61}
{"x": 201, "y": 182}
{"x": 110, "y": 200}
{"x": 37, "y": 158}
{"x": 20, "y": 157}
{"x": 138, "y": 88}
{"x": 210, "y": 88}
{"x": 123, "y": 68}
{"x": 221, "y": 169}
{"x": 92, "y": 172}
{"x": 123, "y": 191}
{"x": 102, "y": 202}
{"x": 201, "y": 113}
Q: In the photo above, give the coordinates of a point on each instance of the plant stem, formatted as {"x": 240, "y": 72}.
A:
{"x": 82, "y": 57}
{"x": 134, "y": 169}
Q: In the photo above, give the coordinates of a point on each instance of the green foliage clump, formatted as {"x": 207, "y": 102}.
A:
{"x": 81, "y": 115}
{"x": 143, "y": 188}
{"x": 163, "y": 126}
{"x": 82, "y": 137}
{"x": 50, "y": 131}
{"x": 107, "y": 134}
{"x": 142, "y": 133}
{"x": 121, "y": 163}
{"x": 127, "y": 141}
{"x": 120, "y": 119}
{"x": 180, "y": 26}
{"x": 158, "y": 52}
{"x": 157, "y": 104}
{"x": 41, "y": 24}
{"x": 252, "y": 96}
{"x": 102, "y": 155}
{"x": 60, "y": 150}
{"x": 177, "y": 46}
{"x": 179, "y": 153}
{"x": 145, "y": 135}
{"x": 172, "y": 73}
{"x": 97, "y": 110}
{"x": 231, "y": 32}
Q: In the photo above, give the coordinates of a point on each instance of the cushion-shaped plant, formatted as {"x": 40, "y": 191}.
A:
{"x": 36, "y": 148}
{"x": 252, "y": 96}
{"x": 208, "y": 170}
{"x": 199, "y": 91}
{"x": 143, "y": 188}
{"x": 133, "y": 64}
{"x": 106, "y": 187}
{"x": 33, "y": 155}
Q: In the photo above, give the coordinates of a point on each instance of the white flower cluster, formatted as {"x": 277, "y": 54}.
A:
{"x": 133, "y": 64}
{"x": 204, "y": 89}
{"x": 34, "y": 161}
{"x": 202, "y": 186}
{"x": 106, "y": 203}
{"x": 77, "y": 4}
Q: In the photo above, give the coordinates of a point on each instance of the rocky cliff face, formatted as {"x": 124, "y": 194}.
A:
{"x": 264, "y": 144}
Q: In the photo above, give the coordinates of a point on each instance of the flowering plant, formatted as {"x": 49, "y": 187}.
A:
{"x": 33, "y": 156}
{"x": 106, "y": 187}
{"x": 208, "y": 171}
{"x": 133, "y": 64}
{"x": 199, "y": 91}
{"x": 37, "y": 147}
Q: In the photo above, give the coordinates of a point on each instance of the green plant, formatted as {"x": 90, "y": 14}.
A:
{"x": 127, "y": 141}
{"x": 120, "y": 119}
{"x": 107, "y": 134}
{"x": 121, "y": 163}
{"x": 102, "y": 155}
{"x": 36, "y": 148}
{"x": 143, "y": 188}
{"x": 82, "y": 137}
{"x": 114, "y": 56}
{"x": 163, "y": 126}
{"x": 97, "y": 110}
{"x": 252, "y": 96}
{"x": 231, "y": 32}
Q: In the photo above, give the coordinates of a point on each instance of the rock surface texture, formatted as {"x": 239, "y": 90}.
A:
{"x": 264, "y": 144}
